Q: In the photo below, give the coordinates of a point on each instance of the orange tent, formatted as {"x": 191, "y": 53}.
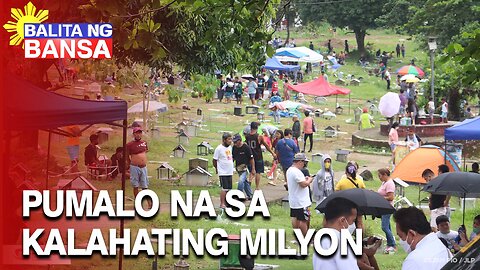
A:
{"x": 426, "y": 157}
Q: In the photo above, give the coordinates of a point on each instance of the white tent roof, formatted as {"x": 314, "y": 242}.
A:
{"x": 152, "y": 106}
{"x": 312, "y": 56}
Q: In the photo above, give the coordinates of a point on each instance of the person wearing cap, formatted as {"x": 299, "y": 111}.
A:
{"x": 299, "y": 193}
{"x": 137, "y": 159}
{"x": 223, "y": 164}
{"x": 255, "y": 141}
{"x": 243, "y": 157}
{"x": 366, "y": 120}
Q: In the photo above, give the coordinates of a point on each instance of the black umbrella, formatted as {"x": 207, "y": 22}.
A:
{"x": 458, "y": 184}
{"x": 368, "y": 202}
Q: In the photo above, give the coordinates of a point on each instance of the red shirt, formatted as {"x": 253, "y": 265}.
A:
{"x": 137, "y": 147}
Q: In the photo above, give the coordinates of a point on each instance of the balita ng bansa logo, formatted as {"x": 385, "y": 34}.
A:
{"x": 57, "y": 40}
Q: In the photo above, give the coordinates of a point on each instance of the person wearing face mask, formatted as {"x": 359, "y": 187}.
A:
{"x": 340, "y": 215}
{"x": 137, "y": 158}
{"x": 324, "y": 180}
{"x": 425, "y": 250}
{"x": 299, "y": 193}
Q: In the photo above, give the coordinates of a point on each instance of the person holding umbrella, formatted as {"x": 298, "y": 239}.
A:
{"x": 387, "y": 190}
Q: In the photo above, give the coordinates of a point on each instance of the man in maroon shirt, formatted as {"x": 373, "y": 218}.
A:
{"x": 137, "y": 154}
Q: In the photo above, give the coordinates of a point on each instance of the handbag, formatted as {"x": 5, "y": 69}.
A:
{"x": 241, "y": 168}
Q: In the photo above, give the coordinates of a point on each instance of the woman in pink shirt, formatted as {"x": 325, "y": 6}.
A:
{"x": 393, "y": 136}
{"x": 387, "y": 190}
{"x": 307, "y": 131}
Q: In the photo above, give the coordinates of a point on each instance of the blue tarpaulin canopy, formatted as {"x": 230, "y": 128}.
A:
{"x": 274, "y": 64}
{"x": 466, "y": 130}
{"x": 291, "y": 53}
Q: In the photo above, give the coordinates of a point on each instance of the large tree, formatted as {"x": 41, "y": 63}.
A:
{"x": 358, "y": 16}
{"x": 197, "y": 36}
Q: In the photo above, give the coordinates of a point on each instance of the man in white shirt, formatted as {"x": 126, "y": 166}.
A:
{"x": 425, "y": 250}
{"x": 299, "y": 193}
{"x": 223, "y": 163}
{"x": 340, "y": 213}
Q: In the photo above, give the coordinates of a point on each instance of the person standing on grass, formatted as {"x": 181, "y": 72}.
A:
{"x": 435, "y": 202}
{"x": 137, "y": 158}
{"x": 223, "y": 164}
{"x": 308, "y": 127}
{"x": 388, "y": 77}
{"x": 299, "y": 194}
{"x": 387, "y": 190}
{"x": 221, "y": 89}
{"x": 402, "y": 49}
{"x": 347, "y": 49}
{"x": 285, "y": 149}
{"x": 296, "y": 128}
{"x": 238, "y": 91}
{"x": 252, "y": 90}
{"x": 243, "y": 157}
{"x": 397, "y": 49}
{"x": 324, "y": 180}
{"x": 255, "y": 141}
{"x": 393, "y": 137}
{"x": 261, "y": 86}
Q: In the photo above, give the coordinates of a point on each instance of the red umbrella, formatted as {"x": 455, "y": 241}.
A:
{"x": 410, "y": 69}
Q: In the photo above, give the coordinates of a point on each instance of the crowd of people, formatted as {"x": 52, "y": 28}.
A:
{"x": 415, "y": 232}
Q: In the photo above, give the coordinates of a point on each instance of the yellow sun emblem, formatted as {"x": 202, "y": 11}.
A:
{"x": 21, "y": 19}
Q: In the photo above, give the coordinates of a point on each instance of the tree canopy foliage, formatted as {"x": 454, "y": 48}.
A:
{"x": 196, "y": 35}
{"x": 358, "y": 16}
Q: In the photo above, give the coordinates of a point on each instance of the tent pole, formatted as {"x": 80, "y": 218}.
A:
{"x": 336, "y": 101}
{"x": 122, "y": 221}
{"x": 48, "y": 159}
{"x": 419, "y": 189}
{"x": 445, "y": 155}
{"x": 463, "y": 220}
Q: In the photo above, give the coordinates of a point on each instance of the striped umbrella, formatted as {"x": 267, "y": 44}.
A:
{"x": 410, "y": 69}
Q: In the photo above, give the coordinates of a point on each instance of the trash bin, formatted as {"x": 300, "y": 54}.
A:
{"x": 237, "y": 110}
{"x": 232, "y": 260}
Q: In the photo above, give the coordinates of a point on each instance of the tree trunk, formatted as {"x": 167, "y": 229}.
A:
{"x": 454, "y": 112}
{"x": 360, "y": 37}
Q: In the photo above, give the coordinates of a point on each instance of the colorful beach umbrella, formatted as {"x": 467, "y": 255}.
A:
{"x": 410, "y": 69}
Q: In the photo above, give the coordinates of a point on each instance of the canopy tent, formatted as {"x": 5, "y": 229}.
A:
{"x": 298, "y": 54}
{"x": 466, "y": 130}
{"x": 318, "y": 87}
{"x": 411, "y": 167}
{"x": 153, "y": 106}
{"x": 30, "y": 108}
{"x": 274, "y": 64}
